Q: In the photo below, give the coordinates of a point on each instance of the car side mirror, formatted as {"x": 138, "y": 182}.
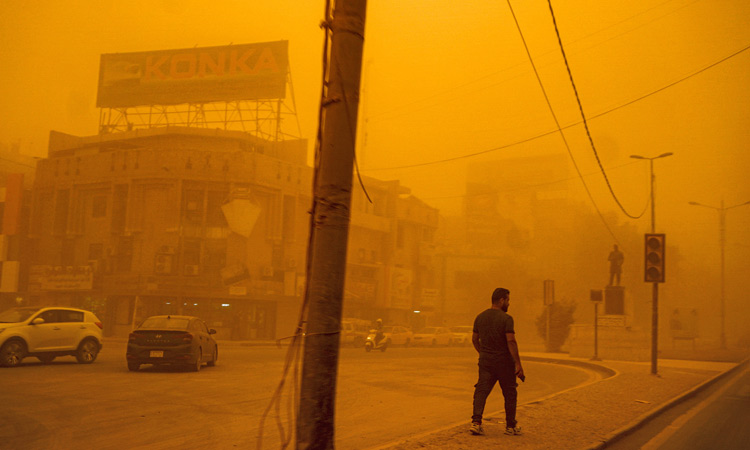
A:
{"x": 37, "y": 321}
{"x": 211, "y": 331}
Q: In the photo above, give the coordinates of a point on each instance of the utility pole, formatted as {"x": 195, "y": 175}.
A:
{"x": 722, "y": 210}
{"x": 332, "y": 191}
{"x": 655, "y": 286}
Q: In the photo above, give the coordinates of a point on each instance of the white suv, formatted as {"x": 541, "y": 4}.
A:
{"x": 47, "y": 333}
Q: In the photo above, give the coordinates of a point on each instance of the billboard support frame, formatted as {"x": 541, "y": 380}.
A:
{"x": 266, "y": 117}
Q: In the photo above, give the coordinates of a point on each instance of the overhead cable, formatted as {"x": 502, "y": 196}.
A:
{"x": 583, "y": 116}
{"x": 551, "y": 132}
{"x": 559, "y": 129}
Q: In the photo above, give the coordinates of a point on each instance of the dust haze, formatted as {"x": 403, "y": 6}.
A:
{"x": 452, "y": 110}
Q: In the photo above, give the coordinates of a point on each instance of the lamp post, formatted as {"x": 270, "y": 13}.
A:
{"x": 655, "y": 287}
{"x": 722, "y": 241}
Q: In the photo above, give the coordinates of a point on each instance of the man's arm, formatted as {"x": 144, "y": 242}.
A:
{"x": 513, "y": 348}
{"x": 475, "y": 340}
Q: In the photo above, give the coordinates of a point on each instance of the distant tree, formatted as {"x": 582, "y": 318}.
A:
{"x": 560, "y": 319}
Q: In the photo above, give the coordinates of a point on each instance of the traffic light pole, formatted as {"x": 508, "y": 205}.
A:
{"x": 722, "y": 242}
{"x": 654, "y": 290}
{"x": 654, "y": 326}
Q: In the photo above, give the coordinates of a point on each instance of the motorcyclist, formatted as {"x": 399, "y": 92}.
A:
{"x": 379, "y": 336}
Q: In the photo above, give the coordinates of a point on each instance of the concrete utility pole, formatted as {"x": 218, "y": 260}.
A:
{"x": 333, "y": 185}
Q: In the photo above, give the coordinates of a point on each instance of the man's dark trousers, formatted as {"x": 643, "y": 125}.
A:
{"x": 492, "y": 370}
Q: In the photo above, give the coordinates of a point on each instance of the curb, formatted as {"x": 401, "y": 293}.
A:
{"x": 606, "y": 372}
{"x": 620, "y": 433}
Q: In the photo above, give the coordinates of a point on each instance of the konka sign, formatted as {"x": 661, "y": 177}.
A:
{"x": 195, "y": 75}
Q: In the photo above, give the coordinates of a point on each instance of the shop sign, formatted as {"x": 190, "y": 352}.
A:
{"x": 64, "y": 278}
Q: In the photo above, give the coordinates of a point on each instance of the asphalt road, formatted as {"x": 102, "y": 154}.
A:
{"x": 381, "y": 397}
{"x": 718, "y": 417}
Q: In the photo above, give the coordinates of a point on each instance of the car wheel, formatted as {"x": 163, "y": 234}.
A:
{"x": 133, "y": 367}
{"x": 12, "y": 353}
{"x": 87, "y": 351}
{"x": 198, "y": 362}
{"x": 46, "y": 359}
{"x": 214, "y": 357}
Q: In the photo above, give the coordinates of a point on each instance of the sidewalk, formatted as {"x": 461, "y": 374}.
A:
{"x": 587, "y": 416}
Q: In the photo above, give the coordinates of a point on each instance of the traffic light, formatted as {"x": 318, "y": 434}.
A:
{"x": 654, "y": 264}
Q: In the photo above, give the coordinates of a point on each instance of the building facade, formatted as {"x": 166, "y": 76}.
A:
{"x": 133, "y": 224}
{"x": 213, "y": 223}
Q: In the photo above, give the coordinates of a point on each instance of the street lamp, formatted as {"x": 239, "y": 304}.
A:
{"x": 651, "y": 165}
{"x": 722, "y": 233}
{"x": 655, "y": 288}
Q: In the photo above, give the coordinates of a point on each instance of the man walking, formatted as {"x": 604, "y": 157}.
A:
{"x": 495, "y": 339}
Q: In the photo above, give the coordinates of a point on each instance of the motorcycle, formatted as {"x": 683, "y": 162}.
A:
{"x": 375, "y": 342}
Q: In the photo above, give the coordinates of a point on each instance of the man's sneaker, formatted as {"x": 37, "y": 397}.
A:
{"x": 513, "y": 431}
{"x": 476, "y": 428}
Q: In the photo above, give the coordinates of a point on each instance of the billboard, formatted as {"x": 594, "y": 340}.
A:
{"x": 193, "y": 75}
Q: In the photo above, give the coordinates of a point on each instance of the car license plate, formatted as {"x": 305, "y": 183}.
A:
{"x": 157, "y": 353}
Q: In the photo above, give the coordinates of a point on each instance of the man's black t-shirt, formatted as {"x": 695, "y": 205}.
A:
{"x": 491, "y": 325}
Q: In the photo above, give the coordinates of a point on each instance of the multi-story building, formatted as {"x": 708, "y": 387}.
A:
{"x": 213, "y": 223}
{"x": 390, "y": 267}
{"x": 16, "y": 177}
{"x": 172, "y": 220}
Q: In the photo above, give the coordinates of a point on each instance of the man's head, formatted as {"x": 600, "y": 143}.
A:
{"x": 615, "y": 246}
{"x": 501, "y": 299}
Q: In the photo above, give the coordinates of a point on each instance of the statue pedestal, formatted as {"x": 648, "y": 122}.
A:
{"x": 616, "y": 340}
{"x": 616, "y": 336}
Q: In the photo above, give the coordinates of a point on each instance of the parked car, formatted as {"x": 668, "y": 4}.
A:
{"x": 47, "y": 333}
{"x": 398, "y": 335}
{"x": 354, "y": 331}
{"x": 461, "y": 335}
{"x": 172, "y": 340}
{"x": 432, "y": 336}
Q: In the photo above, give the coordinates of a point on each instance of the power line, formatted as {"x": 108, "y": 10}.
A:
{"x": 551, "y": 132}
{"x": 559, "y": 129}
{"x": 583, "y": 115}
{"x": 401, "y": 109}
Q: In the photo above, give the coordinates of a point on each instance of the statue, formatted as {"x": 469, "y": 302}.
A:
{"x": 615, "y": 259}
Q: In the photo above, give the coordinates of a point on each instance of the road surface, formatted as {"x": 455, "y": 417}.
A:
{"x": 717, "y": 417}
{"x": 381, "y": 397}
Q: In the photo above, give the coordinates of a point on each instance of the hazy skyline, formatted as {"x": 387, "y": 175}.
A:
{"x": 444, "y": 80}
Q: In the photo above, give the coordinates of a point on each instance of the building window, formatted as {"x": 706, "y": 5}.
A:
{"x": 216, "y": 255}
{"x": 214, "y": 215}
{"x": 124, "y": 260}
{"x": 119, "y": 208}
{"x": 61, "y": 212}
{"x": 96, "y": 251}
{"x": 99, "y": 206}
{"x": 192, "y": 206}
{"x": 67, "y": 254}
